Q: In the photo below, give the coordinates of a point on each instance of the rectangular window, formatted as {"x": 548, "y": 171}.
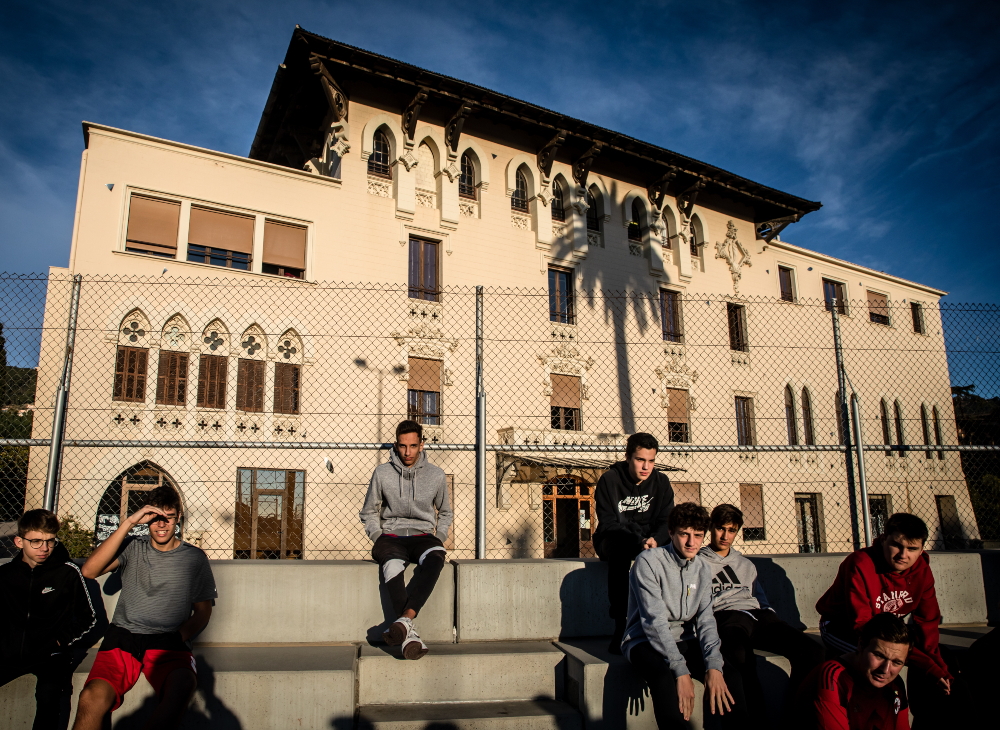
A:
{"x": 424, "y": 270}
{"x": 834, "y": 290}
{"x": 951, "y": 523}
{"x": 286, "y": 388}
{"x": 212, "y": 381}
{"x": 130, "y": 374}
{"x": 564, "y": 403}
{"x": 250, "y": 386}
{"x": 561, "y": 296}
{"x": 686, "y": 492}
{"x": 745, "y": 430}
{"x": 737, "y": 316}
{"x": 807, "y": 523}
{"x": 152, "y": 226}
{"x": 269, "y": 511}
{"x": 752, "y": 506}
{"x": 678, "y": 415}
{"x": 785, "y": 284}
{"x": 917, "y": 312}
{"x": 670, "y": 316}
{"x": 284, "y": 250}
{"x": 171, "y": 379}
{"x": 878, "y": 307}
{"x": 220, "y": 239}
{"x": 423, "y": 396}
{"x": 879, "y": 509}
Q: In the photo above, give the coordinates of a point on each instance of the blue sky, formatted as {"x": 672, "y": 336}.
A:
{"x": 886, "y": 112}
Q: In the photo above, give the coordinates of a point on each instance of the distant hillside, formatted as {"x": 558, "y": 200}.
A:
{"x": 17, "y": 386}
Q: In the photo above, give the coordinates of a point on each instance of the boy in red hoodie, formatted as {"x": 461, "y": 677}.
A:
{"x": 893, "y": 576}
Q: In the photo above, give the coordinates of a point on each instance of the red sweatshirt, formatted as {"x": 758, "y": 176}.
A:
{"x": 866, "y": 585}
{"x": 832, "y": 698}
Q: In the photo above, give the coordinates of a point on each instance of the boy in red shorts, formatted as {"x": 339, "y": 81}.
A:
{"x": 166, "y": 600}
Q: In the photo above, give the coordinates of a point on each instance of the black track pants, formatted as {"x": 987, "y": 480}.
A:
{"x": 618, "y": 550}
{"x": 425, "y": 550}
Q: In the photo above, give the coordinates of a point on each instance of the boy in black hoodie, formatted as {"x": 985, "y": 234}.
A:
{"x": 45, "y": 610}
{"x": 633, "y": 504}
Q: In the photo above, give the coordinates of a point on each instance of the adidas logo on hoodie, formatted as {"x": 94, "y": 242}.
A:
{"x": 725, "y": 580}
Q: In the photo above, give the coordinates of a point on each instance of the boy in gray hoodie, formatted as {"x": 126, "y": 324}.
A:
{"x": 407, "y": 514}
{"x": 670, "y": 635}
{"x": 746, "y": 621}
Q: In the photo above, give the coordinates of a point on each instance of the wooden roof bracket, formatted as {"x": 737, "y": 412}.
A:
{"x": 769, "y": 230}
{"x": 335, "y": 97}
{"x": 411, "y": 114}
{"x": 581, "y": 168}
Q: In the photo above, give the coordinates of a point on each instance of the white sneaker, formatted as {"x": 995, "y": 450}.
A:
{"x": 413, "y": 646}
{"x": 398, "y": 631}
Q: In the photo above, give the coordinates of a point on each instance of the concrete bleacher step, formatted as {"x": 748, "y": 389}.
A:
{"x": 474, "y": 672}
{"x": 239, "y": 688}
{"x": 504, "y": 715}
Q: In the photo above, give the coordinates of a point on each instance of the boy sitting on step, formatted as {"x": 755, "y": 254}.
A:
{"x": 166, "y": 600}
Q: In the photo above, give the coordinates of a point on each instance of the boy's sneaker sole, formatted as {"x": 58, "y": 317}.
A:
{"x": 414, "y": 649}
{"x": 396, "y": 633}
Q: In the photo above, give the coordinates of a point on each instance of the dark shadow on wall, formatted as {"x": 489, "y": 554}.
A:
{"x": 779, "y": 590}
{"x": 990, "y": 562}
{"x": 583, "y": 599}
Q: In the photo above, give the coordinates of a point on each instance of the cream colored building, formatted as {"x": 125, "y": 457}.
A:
{"x": 225, "y": 268}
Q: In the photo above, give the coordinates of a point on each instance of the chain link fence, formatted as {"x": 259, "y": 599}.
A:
{"x": 267, "y": 404}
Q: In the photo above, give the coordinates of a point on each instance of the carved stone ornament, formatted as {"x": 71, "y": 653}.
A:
{"x": 735, "y": 254}
{"x": 452, "y": 171}
{"x": 338, "y": 144}
{"x": 425, "y": 198}
{"x": 379, "y": 187}
{"x": 467, "y": 209}
{"x": 408, "y": 160}
{"x": 565, "y": 359}
{"x": 544, "y": 196}
{"x": 519, "y": 221}
{"x": 635, "y": 248}
{"x": 560, "y": 229}
{"x": 579, "y": 203}
{"x": 594, "y": 238}
{"x": 676, "y": 373}
{"x": 423, "y": 338}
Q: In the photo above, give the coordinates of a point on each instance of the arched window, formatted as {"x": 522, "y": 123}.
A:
{"x": 925, "y": 428}
{"x": 519, "y": 200}
{"x": 937, "y": 430}
{"x": 380, "y": 161}
{"x": 695, "y": 239}
{"x": 558, "y": 204}
{"x": 793, "y": 432}
{"x": 899, "y": 427}
{"x": 593, "y": 220}
{"x": 467, "y": 181}
{"x": 886, "y": 434}
{"x": 807, "y": 419}
{"x": 635, "y": 225}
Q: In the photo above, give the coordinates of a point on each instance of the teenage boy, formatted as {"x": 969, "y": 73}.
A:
{"x": 861, "y": 690}
{"x": 407, "y": 514}
{"x": 746, "y": 621}
{"x": 633, "y": 503}
{"x": 166, "y": 600}
{"x": 894, "y": 576}
{"x": 45, "y": 611}
{"x": 671, "y": 634}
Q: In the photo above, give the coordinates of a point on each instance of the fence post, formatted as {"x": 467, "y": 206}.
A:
{"x": 51, "y": 499}
{"x": 480, "y": 433}
{"x": 845, "y": 421}
{"x": 859, "y": 447}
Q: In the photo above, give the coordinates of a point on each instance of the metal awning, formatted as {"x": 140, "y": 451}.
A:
{"x": 572, "y": 460}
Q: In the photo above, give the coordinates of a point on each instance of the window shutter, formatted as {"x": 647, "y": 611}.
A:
{"x": 284, "y": 245}
{"x": 752, "y": 505}
{"x": 216, "y": 229}
{"x": 152, "y": 225}
{"x": 878, "y": 304}
{"x": 686, "y": 492}
{"x": 565, "y": 391}
{"x": 171, "y": 379}
{"x": 286, "y": 388}
{"x": 212, "y": 381}
{"x": 678, "y": 406}
{"x": 425, "y": 375}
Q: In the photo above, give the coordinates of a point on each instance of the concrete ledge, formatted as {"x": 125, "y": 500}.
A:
{"x": 308, "y": 601}
{"x": 531, "y": 599}
{"x": 515, "y": 715}
{"x": 239, "y": 688}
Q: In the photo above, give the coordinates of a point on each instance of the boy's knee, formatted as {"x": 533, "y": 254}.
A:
{"x": 97, "y": 696}
{"x": 433, "y": 559}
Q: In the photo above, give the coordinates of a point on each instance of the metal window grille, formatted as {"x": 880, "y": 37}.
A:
{"x": 380, "y": 161}
{"x": 807, "y": 522}
{"x": 565, "y": 419}
{"x": 519, "y": 200}
{"x": 558, "y": 205}
{"x": 219, "y": 257}
{"x": 695, "y": 241}
{"x": 424, "y": 407}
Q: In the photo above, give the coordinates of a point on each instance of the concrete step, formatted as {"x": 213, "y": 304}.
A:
{"x": 609, "y": 694}
{"x": 476, "y": 672}
{"x": 239, "y": 688}
{"x": 510, "y": 715}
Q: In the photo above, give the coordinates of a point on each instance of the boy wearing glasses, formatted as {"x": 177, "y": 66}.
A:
{"x": 45, "y": 610}
{"x": 166, "y": 600}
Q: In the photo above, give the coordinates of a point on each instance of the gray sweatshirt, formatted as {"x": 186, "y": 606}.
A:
{"x": 670, "y": 600}
{"x": 407, "y": 500}
{"x": 734, "y": 584}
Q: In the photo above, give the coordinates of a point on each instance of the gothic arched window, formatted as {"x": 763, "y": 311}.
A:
{"x": 380, "y": 161}
{"x": 467, "y": 181}
{"x": 558, "y": 204}
{"x": 519, "y": 200}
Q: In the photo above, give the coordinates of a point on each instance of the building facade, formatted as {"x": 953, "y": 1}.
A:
{"x": 626, "y": 288}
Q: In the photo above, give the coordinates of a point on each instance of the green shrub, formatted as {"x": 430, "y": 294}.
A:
{"x": 78, "y": 540}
